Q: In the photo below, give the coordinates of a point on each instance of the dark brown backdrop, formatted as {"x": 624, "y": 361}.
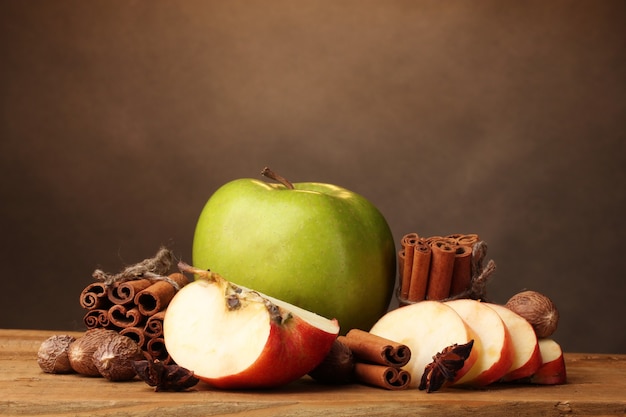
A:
{"x": 118, "y": 119}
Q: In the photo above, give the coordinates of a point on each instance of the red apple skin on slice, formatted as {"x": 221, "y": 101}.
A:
{"x": 552, "y": 370}
{"x": 285, "y": 358}
{"x": 426, "y": 328}
{"x": 526, "y": 355}
{"x": 493, "y": 344}
{"x": 259, "y": 343}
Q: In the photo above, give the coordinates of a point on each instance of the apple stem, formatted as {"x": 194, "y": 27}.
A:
{"x": 201, "y": 273}
{"x": 276, "y": 177}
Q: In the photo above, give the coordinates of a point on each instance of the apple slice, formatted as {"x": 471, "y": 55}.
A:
{"x": 233, "y": 337}
{"x": 493, "y": 344}
{"x": 526, "y": 355}
{"x": 552, "y": 370}
{"x": 426, "y": 328}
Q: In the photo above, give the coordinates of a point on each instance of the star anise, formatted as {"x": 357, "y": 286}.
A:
{"x": 164, "y": 377}
{"x": 445, "y": 366}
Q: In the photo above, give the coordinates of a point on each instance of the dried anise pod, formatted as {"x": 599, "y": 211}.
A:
{"x": 164, "y": 377}
{"x": 445, "y": 366}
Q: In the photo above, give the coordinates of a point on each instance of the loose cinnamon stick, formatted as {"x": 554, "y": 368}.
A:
{"x": 94, "y": 296}
{"x": 462, "y": 271}
{"x": 422, "y": 254}
{"x": 123, "y": 317}
{"x": 408, "y": 244}
{"x": 369, "y": 347}
{"x": 124, "y": 292}
{"x": 158, "y": 295}
{"x": 154, "y": 325}
{"x": 382, "y": 376}
{"x": 137, "y": 334}
{"x": 442, "y": 265}
{"x": 97, "y": 318}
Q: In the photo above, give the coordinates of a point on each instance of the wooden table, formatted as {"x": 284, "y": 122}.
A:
{"x": 597, "y": 386}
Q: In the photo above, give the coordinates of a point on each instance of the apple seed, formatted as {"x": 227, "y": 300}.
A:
{"x": 232, "y": 301}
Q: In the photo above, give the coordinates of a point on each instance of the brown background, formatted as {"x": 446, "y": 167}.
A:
{"x": 118, "y": 119}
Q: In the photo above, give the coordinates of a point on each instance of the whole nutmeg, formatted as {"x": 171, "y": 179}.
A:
{"x": 537, "y": 309}
{"x": 114, "y": 358}
{"x": 81, "y": 351}
{"x": 52, "y": 355}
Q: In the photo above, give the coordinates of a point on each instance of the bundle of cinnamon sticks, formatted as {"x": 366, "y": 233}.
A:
{"x": 134, "y": 308}
{"x": 434, "y": 268}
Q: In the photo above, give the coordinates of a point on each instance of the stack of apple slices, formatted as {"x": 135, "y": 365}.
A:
{"x": 505, "y": 347}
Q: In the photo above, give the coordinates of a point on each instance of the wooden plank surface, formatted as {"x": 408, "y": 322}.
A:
{"x": 596, "y": 386}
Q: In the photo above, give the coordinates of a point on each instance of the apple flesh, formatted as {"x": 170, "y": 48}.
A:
{"x": 232, "y": 337}
{"x": 493, "y": 344}
{"x": 426, "y": 328}
{"x": 526, "y": 354}
{"x": 552, "y": 370}
{"x": 318, "y": 246}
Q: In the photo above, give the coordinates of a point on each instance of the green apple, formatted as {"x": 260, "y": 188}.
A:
{"x": 318, "y": 246}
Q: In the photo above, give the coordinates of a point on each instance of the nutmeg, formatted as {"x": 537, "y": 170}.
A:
{"x": 81, "y": 351}
{"x": 52, "y": 355}
{"x": 114, "y": 358}
{"x": 337, "y": 367}
{"x": 537, "y": 309}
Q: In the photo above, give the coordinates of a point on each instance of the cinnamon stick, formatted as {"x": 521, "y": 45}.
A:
{"x": 369, "y": 347}
{"x": 422, "y": 254}
{"x": 158, "y": 295}
{"x": 97, "y": 318}
{"x": 467, "y": 240}
{"x": 400, "y": 274}
{"x": 137, "y": 334}
{"x": 123, "y": 317}
{"x": 408, "y": 243}
{"x": 154, "y": 325}
{"x": 124, "y": 292}
{"x": 94, "y": 296}
{"x": 156, "y": 349}
{"x": 382, "y": 376}
{"x": 430, "y": 240}
{"x": 409, "y": 240}
{"x": 441, "y": 267}
{"x": 462, "y": 270}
